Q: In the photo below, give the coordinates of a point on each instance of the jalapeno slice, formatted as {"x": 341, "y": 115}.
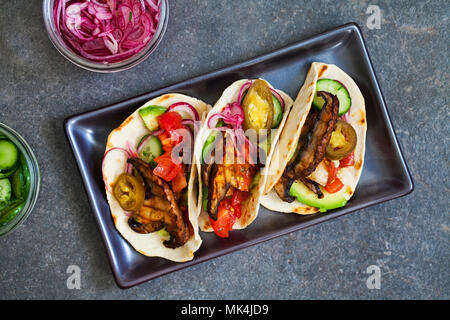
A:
{"x": 342, "y": 141}
{"x": 258, "y": 107}
{"x": 129, "y": 192}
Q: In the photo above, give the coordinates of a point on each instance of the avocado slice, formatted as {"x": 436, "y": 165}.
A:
{"x": 306, "y": 196}
{"x": 150, "y": 114}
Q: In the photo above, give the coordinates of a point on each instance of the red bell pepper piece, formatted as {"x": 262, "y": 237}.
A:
{"x": 334, "y": 184}
{"x": 167, "y": 169}
{"x": 347, "y": 161}
{"x": 179, "y": 182}
{"x": 225, "y": 219}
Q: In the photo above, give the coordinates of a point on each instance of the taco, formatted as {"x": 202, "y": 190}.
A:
{"x": 232, "y": 149}
{"x": 151, "y": 183}
{"x": 319, "y": 157}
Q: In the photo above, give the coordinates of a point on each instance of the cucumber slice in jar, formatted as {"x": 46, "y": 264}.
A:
{"x": 17, "y": 182}
{"x": 25, "y": 171}
{"x": 277, "y": 112}
{"x": 9, "y": 172}
{"x": 5, "y": 192}
{"x": 11, "y": 211}
{"x": 336, "y": 88}
{"x": 8, "y": 155}
{"x": 150, "y": 148}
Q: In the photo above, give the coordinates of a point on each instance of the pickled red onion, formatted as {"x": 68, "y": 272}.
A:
{"x": 185, "y": 107}
{"x": 232, "y": 114}
{"x": 106, "y": 31}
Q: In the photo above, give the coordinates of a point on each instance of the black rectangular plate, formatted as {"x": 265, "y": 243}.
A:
{"x": 385, "y": 175}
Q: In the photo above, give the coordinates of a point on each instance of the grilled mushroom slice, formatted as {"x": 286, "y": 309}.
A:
{"x": 282, "y": 188}
{"x": 307, "y": 127}
{"x": 217, "y": 189}
{"x": 313, "y": 152}
{"x": 313, "y": 186}
{"x": 139, "y": 226}
{"x": 173, "y": 219}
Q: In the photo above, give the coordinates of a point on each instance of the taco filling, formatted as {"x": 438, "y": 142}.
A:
{"x": 232, "y": 159}
{"x": 153, "y": 189}
{"x": 326, "y": 145}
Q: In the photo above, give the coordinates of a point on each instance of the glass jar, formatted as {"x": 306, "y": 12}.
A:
{"x": 82, "y": 62}
{"x": 33, "y": 168}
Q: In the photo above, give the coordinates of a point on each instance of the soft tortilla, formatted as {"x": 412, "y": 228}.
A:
{"x": 131, "y": 131}
{"x": 291, "y": 133}
{"x": 251, "y": 207}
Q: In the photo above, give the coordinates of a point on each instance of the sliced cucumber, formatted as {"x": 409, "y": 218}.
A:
{"x": 150, "y": 114}
{"x": 20, "y": 180}
{"x": 9, "y": 172}
{"x": 12, "y": 210}
{"x": 8, "y": 155}
{"x": 5, "y": 192}
{"x": 151, "y": 149}
{"x": 17, "y": 183}
{"x": 26, "y": 176}
{"x": 277, "y": 112}
{"x": 336, "y": 88}
{"x": 209, "y": 143}
{"x": 266, "y": 144}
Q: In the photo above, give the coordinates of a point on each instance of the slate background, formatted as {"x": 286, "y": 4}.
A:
{"x": 408, "y": 238}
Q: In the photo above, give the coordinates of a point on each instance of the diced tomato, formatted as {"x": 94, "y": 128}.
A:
{"x": 243, "y": 176}
{"x": 334, "y": 184}
{"x": 225, "y": 219}
{"x": 167, "y": 169}
{"x": 332, "y": 170}
{"x": 179, "y": 182}
{"x": 166, "y": 141}
{"x": 347, "y": 161}
{"x": 230, "y": 209}
{"x": 236, "y": 201}
{"x": 170, "y": 121}
{"x": 237, "y": 211}
{"x": 239, "y": 197}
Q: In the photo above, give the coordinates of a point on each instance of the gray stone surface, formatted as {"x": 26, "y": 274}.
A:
{"x": 407, "y": 238}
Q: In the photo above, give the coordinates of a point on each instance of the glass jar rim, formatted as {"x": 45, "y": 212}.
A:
{"x": 69, "y": 54}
